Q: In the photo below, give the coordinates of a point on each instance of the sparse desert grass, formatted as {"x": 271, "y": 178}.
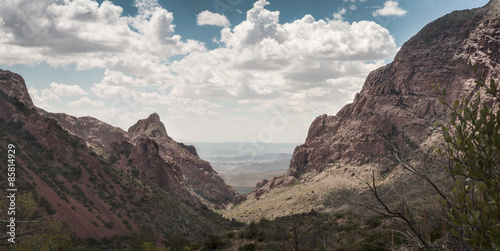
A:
{"x": 335, "y": 190}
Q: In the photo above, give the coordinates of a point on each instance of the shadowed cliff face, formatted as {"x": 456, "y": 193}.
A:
{"x": 198, "y": 175}
{"x": 97, "y": 134}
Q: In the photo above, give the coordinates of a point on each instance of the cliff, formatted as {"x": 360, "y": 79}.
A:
{"x": 398, "y": 106}
{"x": 198, "y": 174}
{"x": 395, "y": 110}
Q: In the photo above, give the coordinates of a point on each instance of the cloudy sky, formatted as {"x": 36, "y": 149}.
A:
{"x": 214, "y": 70}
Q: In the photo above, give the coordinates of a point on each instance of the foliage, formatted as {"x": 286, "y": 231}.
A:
{"x": 150, "y": 246}
{"x": 473, "y": 148}
{"x": 177, "y": 242}
{"x": 248, "y": 247}
{"x": 32, "y": 230}
{"x": 470, "y": 189}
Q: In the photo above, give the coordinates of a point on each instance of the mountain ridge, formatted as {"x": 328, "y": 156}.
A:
{"x": 198, "y": 176}
{"x": 128, "y": 188}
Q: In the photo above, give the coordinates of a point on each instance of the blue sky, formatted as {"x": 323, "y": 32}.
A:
{"x": 214, "y": 70}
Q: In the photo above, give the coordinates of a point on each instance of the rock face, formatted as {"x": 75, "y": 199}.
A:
{"x": 13, "y": 85}
{"x": 398, "y": 106}
{"x": 145, "y": 158}
{"x": 97, "y": 134}
{"x": 198, "y": 175}
{"x": 398, "y": 101}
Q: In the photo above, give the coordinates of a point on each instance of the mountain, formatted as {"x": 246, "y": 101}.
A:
{"x": 98, "y": 135}
{"x": 13, "y": 85}
{"x": 198, "y": 176}
{"x": 130, "y": 190}
{"x": 395, "y": 112}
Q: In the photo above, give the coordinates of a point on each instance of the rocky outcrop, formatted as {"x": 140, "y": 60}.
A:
{"x": 198, "y": 174}
{"x": 98, "y": 135}
{"x": 145, "y": 159}
{"x": 13, "y": 85}
{"x": 398, "y": 106}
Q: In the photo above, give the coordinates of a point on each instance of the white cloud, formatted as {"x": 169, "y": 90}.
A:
{"x": 66, "y": 90}
{"x": 48, "y": 96}
{"x": 89, "y": 34}
{"x": 118, "y": 78}
{"x": 45, "y": 96}
{"x": 85, "y": 102}
{"x": 390, "y": 8}
{"x": 145, "y": 96}
{"x": 209, "y": 18}
{"x": 339, "y": 15}
{"x": 34, "y": 94}
{"x": 307, "y": 67}
{"x": 353, "y": 7}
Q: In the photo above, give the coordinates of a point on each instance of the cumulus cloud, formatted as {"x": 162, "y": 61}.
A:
{"x": 88, "y": 34}
{"x": 66, "y": 90}
{"x": 307, "y": 67}
{"x": 390, "y": 8}
{"x": 86, "y": 102}
{"x": 124, "y": 93}
{"x": 45, "y": 96}
{"x": 339, "y": 15}
{"x": 209, "y": 18}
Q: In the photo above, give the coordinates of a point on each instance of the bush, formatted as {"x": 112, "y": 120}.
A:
{"x": 473, "y": 148}
{"x": 248, "y": 247}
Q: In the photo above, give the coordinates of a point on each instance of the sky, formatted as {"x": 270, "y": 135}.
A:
{"x": 214, "y": 70}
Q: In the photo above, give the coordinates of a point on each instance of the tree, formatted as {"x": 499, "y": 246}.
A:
{"x": 150, "y": 246}
{"x": 33, "y": 231}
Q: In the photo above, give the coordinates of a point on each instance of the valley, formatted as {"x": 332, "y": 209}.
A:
{"x": 243, "y": 167}
{"x": 412, "y": 163}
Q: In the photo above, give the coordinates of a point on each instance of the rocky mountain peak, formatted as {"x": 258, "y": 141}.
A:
{"x": 13, "y": 85}
{"x": 198, "y": 174}
{"x": 398, "y": 100}
{"x": 149, "y": 127}
{"x": 153, "y": 117}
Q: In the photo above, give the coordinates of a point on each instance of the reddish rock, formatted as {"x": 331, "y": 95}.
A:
{"x": 97, "y": 134}
{"x": 398, "y": 101}
{"x": 261, "y": 183}
{"x": 13, "y": 85}
{"x": 145, "y": 159}
{"x": 240, "y": 198}
{"x": 198, "y": 174}
{"x": 94, "y": 197}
